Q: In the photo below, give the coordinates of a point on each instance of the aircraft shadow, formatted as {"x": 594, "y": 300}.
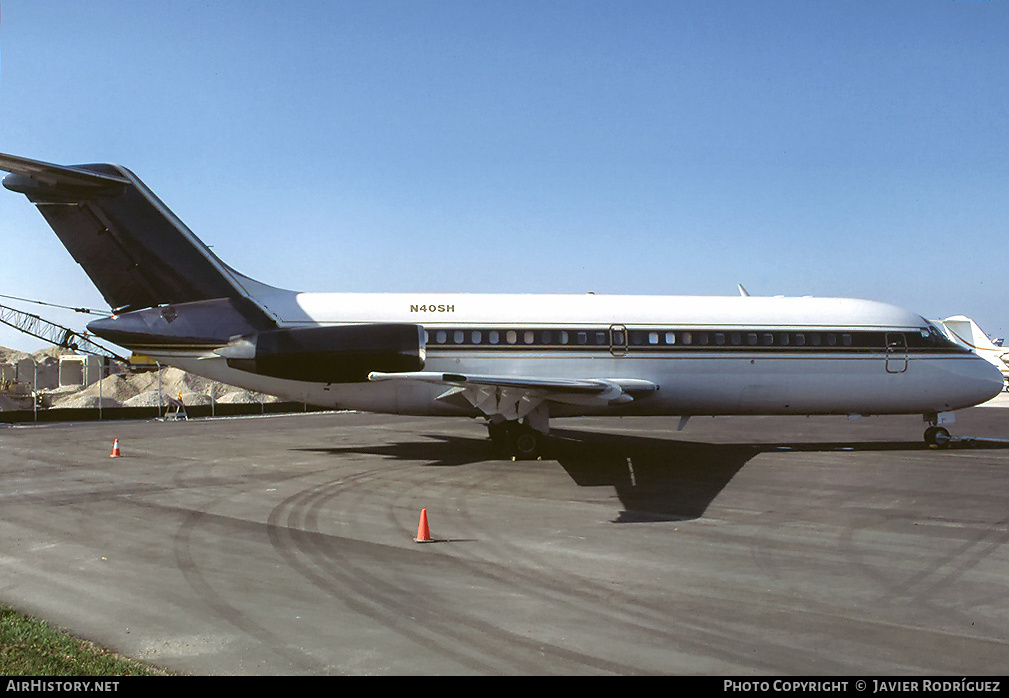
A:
{"x": 655, "y": 479}
{"x": 438, "y": 450}
{"x": 660, "y": 479}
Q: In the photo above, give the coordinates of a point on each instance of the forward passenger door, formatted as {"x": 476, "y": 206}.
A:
{"x": 896, "y": 352}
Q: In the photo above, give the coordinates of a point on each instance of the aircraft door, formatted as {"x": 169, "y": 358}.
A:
{"x": 896, "y": 352}
{"x": 618, "y": 340}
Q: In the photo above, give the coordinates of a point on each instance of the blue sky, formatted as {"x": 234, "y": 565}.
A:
{"x": 830, "y": 148}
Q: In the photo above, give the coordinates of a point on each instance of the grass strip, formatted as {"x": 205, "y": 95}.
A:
{"x": 32, "y": 647}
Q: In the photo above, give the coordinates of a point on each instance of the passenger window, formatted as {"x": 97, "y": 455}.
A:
{"x": 548, "y": 337}
{"x": 670, "y": 338}
{"x": 459, "y": 337}
{"x": 564, "y": 337}
{"x": 441, "y": 337}
{"x": 768, "y": 339}
{"x": 751, "y": 339}
{"x": 800, "y": 340}
{"x": 493, "y": 337}
{"x": 583, "y": 338}
{"x": 528, "y": 337}
{"x": 477, "y": 336}
{"x": 511, "y": 336}
{"x": 687, "y": 338}
{"x": 653, "y": 337}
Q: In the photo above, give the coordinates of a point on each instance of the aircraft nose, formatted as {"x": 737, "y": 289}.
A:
{"x": 988, "y": 380}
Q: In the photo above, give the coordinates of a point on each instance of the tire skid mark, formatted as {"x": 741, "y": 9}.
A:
{"x": 334, "y": 573}
{"x": 189, "y": 567}
{"x": 920, "y": 588}
{"x": 542, "y": 577}
{"x": 476, "y": 644}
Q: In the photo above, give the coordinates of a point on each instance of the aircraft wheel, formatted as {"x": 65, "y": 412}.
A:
{"x": 526, "y": 442}
{"x": 937, "y": 436}
{"x": 519, "y": 440}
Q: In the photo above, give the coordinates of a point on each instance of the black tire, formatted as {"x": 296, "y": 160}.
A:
{"x": 937, "y": 436}
{"x": 526, "y": 443}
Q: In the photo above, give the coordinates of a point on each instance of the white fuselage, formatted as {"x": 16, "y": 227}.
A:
{"x": 514, "y": 359}
{"x": 706, "y": 355}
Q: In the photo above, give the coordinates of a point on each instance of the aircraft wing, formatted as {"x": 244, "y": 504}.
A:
{"x": 514, "y": 397}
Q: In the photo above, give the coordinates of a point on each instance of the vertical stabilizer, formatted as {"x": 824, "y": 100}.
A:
{"x": 964, "y": 331}
{"x": 135, "y": 250}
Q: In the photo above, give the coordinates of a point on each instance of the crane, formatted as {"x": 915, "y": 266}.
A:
{"x": 40, "y": 328}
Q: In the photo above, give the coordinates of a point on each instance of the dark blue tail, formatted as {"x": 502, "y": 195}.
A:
{"x": 134, "y": 249}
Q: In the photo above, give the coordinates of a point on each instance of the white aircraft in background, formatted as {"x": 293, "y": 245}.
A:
{"x": 514, "y": 360}
{"x": 965, "y": 332}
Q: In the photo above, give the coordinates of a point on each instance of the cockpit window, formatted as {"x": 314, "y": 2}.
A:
{"x": 934, "y": 337}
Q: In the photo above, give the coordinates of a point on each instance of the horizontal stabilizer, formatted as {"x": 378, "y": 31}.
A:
{"x": 44, "y": 181}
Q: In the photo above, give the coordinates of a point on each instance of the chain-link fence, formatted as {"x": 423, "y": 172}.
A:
{"x": 48, "y": 386}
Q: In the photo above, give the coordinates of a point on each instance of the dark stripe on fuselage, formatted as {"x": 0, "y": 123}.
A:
{"x": 618, "y": 339}
{"x": 650, "y": 341}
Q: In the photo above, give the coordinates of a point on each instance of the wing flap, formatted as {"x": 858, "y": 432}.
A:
{"x": 565, "y": 385}
{"x": 514, "y": 396}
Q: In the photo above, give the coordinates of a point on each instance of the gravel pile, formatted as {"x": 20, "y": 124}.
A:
{"x": 119, "y": 389}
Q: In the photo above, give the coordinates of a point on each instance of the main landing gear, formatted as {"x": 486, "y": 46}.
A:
{"x": 518, "y": 438}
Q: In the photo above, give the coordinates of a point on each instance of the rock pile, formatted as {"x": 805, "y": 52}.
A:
{"x": 117, "y": 390}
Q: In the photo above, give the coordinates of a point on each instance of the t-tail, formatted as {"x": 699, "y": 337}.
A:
{"x": 134, "y": 249}
{"x": 171, "y": 295}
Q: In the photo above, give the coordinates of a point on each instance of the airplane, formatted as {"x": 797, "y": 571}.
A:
{"x": 964, "y": 331}
{"x": 514, "y": 360}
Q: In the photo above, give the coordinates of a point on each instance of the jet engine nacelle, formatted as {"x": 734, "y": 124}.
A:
{"x": 330, "y": 354}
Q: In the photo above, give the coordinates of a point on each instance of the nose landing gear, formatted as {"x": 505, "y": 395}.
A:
{"x": 937, "y": 436}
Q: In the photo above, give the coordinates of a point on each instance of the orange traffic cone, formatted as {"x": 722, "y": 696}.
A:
{"x": 423, "y": 534}
{"x": 115, "y": 450}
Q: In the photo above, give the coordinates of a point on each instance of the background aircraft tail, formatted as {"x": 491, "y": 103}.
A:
{"x": 964, "y": 331}
{"x": 135, "y": 250}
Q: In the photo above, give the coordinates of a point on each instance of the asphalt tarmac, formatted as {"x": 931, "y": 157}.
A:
{"x": 285, "y": 545}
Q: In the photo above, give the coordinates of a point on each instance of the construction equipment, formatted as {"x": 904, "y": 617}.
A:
{"x": 176, "y": 408}
{"x": 40, "y": 328}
